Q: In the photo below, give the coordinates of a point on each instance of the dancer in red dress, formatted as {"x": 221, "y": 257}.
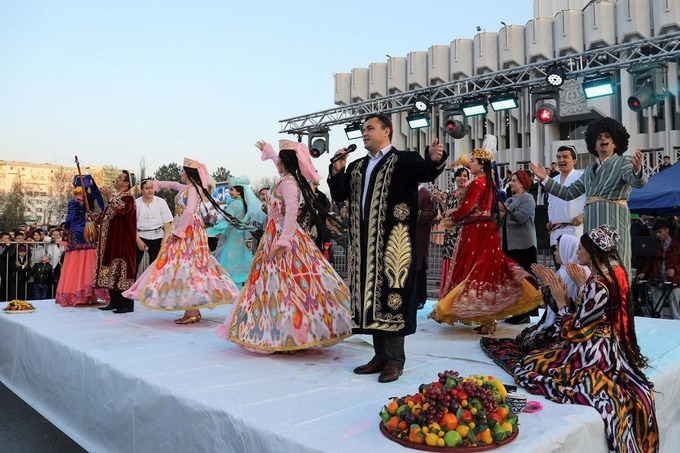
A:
{"x": 484, "y": 285}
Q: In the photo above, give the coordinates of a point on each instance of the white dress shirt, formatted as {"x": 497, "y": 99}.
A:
{"x": 372, "y": 162}
{"x": 561, "y": 211}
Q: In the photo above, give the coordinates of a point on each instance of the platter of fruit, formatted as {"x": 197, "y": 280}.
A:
{"x": 19, "y": 306}
{"x": 453, "y": 413}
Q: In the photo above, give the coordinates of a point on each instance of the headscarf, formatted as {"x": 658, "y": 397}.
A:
{"x": 304, "y": 159}
{"x": 568, "y": 245}
{"x": 203, "y": 174}
{"x": 254, "y": 213}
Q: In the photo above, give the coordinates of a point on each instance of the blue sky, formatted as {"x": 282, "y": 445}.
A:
{"x": 115, "y": 81}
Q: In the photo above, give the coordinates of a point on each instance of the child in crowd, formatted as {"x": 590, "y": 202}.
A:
{"x": 42, "y": 277}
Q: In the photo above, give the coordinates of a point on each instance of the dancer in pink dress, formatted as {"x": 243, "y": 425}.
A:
{"x": 185, "y": 276}
{"x": 293, "y": 298}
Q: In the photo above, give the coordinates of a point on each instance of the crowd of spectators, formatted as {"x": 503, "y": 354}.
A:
{"x": 30, "y": 262}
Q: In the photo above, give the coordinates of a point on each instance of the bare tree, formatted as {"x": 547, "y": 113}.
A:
{"x": 264, "y": 181}
{"x": 59, "y": 193}
{"x": 14, "y": 209}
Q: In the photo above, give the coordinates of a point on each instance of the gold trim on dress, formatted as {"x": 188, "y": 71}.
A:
{"x": 401, "y": 211}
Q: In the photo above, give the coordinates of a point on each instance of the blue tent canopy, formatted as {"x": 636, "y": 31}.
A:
{"x": 660, "y": 196}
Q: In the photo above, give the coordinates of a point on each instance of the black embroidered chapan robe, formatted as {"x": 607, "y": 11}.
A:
{"x": 382, "y": 254}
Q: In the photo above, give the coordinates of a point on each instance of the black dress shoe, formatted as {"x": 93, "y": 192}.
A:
{"x": 123, "y": 310}
{"x": 390, "y": 374}
{"x": 108, "y": 307}
{"x": 421, "y": 305}
{"x": 374, "y": 366}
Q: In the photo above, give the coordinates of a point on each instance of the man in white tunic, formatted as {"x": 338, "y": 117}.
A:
{"x": 153, "y": 220}
{"x": 565, "y": 217}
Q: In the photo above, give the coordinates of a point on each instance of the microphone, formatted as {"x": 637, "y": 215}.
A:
{"x": 350, "y": 148}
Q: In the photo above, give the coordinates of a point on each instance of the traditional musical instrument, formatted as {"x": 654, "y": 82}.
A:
{"x": 91, "y": 232}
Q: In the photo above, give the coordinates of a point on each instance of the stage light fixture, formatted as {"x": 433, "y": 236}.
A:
{"x": 599, "y": 86}
{"x": 648, "y": 86}
{"x": 354, "y": 131}
{"x": 506, "y": 101}
{"x": 421, "y": 104}
{"x": 318, "y": 143}
{"x": 473, "y": 108}
{"x": 454, "y": 128}
{"x": 555, "y": 75}
{"x": 546, "y": 113}
{"x": 418, "y": 120}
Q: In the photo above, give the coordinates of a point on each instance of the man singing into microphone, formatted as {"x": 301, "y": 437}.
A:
{"x": 382, "y": 190}
{"x": 607, "y": 182}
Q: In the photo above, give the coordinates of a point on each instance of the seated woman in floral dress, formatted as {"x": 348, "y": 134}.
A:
{"x": 599, "y": 362}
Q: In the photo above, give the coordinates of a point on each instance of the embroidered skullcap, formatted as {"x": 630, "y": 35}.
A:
{"x": 304, "y": 159}
{"x": 202, "y": 170}
{"x": 524, "y": 179}
{"x": 604, "y": 237}
{"x": 239, "y": 181}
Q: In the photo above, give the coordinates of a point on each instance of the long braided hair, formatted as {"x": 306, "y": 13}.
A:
{"x": 626, "y": 324}
{"x": 313, "y": 207}
{"x": 195, "y": 180}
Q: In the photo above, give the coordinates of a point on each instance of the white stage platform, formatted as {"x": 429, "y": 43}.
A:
{"x": 139, "y": 383}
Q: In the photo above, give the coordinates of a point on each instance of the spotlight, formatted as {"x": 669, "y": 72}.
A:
{"x": 555, "y": 75}
{"x": 318, "y": 143}
{"x": 546, "y": 113}
{"x": 473, "y": 108}
{"x": 418, "y": 120}
{"x": 598, "y": 86}
{"x": 648, "y": 86}
{"x": 354, "y": 131}
{"x": 454, "y": 128}
{"x": 503, "y": 102}
{"x": 421, "y": 104}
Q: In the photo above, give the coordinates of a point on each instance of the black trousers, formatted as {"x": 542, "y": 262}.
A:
{"x": 390, "y": 350}
{"x": 154, "y": 247}
{"x": 119, "y": 301}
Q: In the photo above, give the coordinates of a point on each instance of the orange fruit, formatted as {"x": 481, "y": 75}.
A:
{"x": 392, "y": 424}
{"x": 449, "y": 420}
{"x": 392, "y": 407}
{"x": 503, "y": 412}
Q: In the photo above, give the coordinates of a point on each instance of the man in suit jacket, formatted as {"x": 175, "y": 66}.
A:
{"x": 382, "y": 190}
{"x": 664, "y": 267}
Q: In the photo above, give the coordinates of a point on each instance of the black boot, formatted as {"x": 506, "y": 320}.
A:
{"x": 111, "y": 306}
{"x": 126, "y": 306}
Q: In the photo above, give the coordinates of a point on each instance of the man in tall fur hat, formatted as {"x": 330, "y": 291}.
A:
{"x": 607, "y": 182}
{"x": 116, "y": 264}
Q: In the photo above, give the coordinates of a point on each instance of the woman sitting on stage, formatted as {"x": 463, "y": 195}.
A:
{"x": 185, "y": 276}
{"x": 293, "y": 298}
{"x": 599, "y": 363}
{"x": 507, "y": 352}
{"x": 484, "y": 285}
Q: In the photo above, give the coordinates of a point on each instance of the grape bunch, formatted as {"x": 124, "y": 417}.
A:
{"x": 440, "y": 399}
{"x": 485, "y": 395}
{"x": 444, "y": 376}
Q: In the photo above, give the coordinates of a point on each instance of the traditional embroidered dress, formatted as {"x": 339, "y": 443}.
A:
{"x": 381, "y": 255}
{"x": 77, "y": 275}
{"x": 295, "y": 300}
{"x": 232, "y": 252}
{"x": 484, "y": 285}
{"x": 116, "y": 245}
{"x": 607, "y": 192}
{"x": 185, "y": 276}
{"x": 592, "y": 369}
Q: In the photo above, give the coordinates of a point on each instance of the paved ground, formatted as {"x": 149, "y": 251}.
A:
{"x": 23, "y": 430}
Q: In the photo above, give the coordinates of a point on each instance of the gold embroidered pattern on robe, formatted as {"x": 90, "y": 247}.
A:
{"x": 398, "y": 256}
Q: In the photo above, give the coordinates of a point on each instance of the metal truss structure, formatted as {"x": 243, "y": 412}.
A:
{"x": 595, "y": 61}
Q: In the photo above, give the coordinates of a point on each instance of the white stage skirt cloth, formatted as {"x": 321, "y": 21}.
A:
{"x": 139, "y": 383}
